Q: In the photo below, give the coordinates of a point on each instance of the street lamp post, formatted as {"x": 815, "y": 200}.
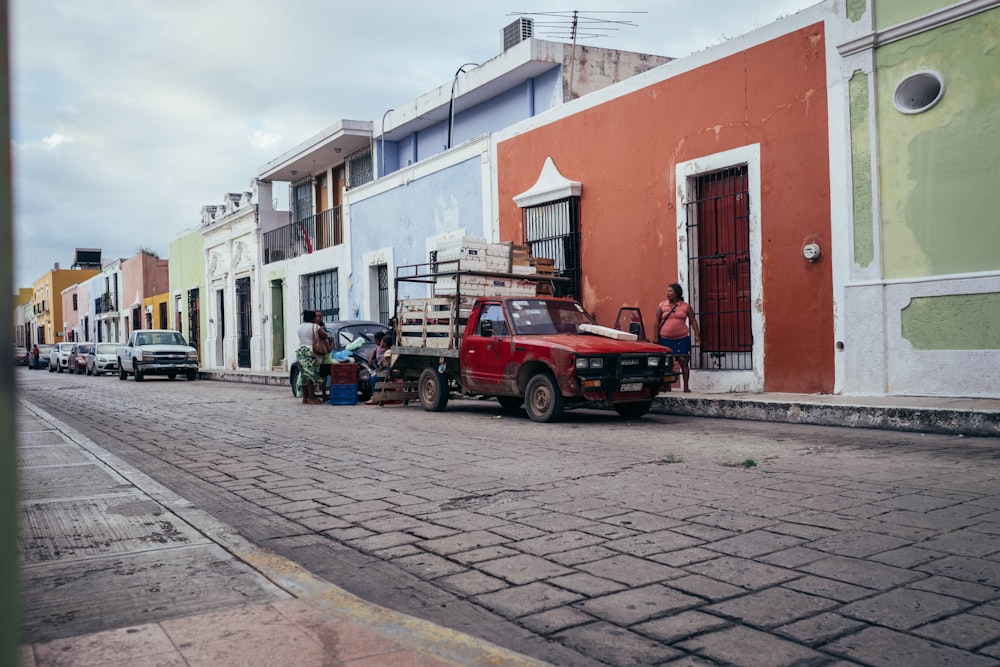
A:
{"x": 382, "y": 136}
{"x": 451, "y": 104}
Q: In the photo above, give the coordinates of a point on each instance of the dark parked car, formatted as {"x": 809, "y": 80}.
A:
{"x": 343, "y": 333}
{"x": 43, "y": 357}
{"x": 78, "y": 357}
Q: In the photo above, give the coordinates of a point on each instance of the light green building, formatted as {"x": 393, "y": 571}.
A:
{"x": 921, "y": 289}
{"x": 187, "y": 287}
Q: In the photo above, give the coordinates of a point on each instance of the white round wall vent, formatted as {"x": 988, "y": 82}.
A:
{"x": 918, "y": 92}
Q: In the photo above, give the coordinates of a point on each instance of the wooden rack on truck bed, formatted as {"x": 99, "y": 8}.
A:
{"x": 436, "y": 323}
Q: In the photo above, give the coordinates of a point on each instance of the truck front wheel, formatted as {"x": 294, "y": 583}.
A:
{"x": 633, "y": 410}
{"x": 433, "y": 390}
{"x": 542, "y": 400}
{"x": 138, "y": 374}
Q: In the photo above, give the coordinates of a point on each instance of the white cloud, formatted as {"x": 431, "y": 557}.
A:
{"x": 150, "y": 110}
{"x": 53, "y": 140}
{"x": 262, "y": 141}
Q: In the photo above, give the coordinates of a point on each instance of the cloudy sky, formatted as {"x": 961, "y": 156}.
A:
{"x": 128, "y": 116}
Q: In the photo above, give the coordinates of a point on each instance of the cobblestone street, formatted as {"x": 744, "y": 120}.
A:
{"x": 596, "y": 541}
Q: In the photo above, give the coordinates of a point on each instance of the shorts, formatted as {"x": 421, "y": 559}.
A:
{"x": 679, "y": 346}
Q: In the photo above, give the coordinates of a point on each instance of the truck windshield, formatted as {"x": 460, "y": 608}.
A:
{"x": 160, "y": 338}
{"x": 547, "y": 316}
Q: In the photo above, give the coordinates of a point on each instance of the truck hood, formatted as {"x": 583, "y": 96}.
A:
{"x": 168, "y": 348}
{"x": 585, "y": 344}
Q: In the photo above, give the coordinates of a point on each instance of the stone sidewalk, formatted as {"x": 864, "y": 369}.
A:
{"x": 85, "y": 510}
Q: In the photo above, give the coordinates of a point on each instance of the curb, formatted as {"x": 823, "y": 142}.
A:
{"x": 921, "y": 420}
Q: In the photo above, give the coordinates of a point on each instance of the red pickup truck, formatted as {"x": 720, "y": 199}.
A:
{"x": 546, "y": 353}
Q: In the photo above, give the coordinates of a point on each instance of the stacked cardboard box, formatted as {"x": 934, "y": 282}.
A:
{"x": 498, "y": 257}
{"x": 484, "y": 286}
{"x": 468, "y": 251}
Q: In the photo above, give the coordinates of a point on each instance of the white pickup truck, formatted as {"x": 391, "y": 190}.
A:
{"x": 157, "y": 352}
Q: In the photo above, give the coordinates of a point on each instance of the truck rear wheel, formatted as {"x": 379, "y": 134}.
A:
{"x": 433, "y": 390}
{"x": 543, "y": 400}
{"x": 122, "y": 375}
{"x": 633, "y": 410}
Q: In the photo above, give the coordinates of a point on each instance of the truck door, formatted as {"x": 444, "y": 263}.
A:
{"x": 487, "y": 350}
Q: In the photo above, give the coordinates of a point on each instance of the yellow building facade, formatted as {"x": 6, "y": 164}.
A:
{"x": 156, "y": 309}
{"x": 47, "y": 302}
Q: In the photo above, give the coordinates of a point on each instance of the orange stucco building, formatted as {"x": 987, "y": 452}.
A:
{"x": 650, "y": 159}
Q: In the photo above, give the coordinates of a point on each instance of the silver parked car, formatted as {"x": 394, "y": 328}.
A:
{"x": 103, "y": 360}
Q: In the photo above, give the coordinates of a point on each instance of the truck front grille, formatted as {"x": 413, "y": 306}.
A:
{"x": 161, "y": 357}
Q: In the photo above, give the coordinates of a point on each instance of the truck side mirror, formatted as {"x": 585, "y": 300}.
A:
{"x": 486, "y": 328}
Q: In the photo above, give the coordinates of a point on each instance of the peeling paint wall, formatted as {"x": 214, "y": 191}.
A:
{"x": 893, "y": 12}
{"x": 940, "y": 170}
{"x": 861, "y": 169}
{"x": 923, "y": 318}
{"x": 625, "y": 152}
{"x": 953, "y": 322}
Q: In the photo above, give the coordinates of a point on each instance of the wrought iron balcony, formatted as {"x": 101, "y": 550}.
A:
{"x": 106, "y": 303}
{"x": 308, "y": 235}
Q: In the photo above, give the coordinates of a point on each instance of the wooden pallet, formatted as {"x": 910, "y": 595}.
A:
{"x": 395, "y": 392}
{"x": 433, "y": 322}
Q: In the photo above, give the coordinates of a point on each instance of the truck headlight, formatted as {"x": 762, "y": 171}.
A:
{"x": 193, "y": 356}
{"x": 583, "y": 363}
{"x": 653, "y": 361}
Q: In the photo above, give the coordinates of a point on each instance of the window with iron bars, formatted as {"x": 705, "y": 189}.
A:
{"x": 194, "y": 317}
{"x": 302, "y": 199}
{"x": 383, "y": 294}
{"x": 552, "y": 230}
{"x": 359, "y": 167}
{"x": 718, "y": 233}
{"x": 319, "y": 292}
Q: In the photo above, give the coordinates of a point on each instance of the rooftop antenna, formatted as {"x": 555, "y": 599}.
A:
{"x": 574, "y": 25}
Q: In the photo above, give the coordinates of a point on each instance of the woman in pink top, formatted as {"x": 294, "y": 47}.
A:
{"x": 673, "y": 317}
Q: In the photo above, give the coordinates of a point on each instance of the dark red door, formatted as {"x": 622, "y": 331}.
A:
{"x": 722, "y": 216}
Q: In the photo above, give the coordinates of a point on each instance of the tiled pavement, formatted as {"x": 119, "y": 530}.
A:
{"x": 842, "y": 546}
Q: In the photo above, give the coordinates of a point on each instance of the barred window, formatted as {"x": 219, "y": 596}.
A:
{"x": 553, "y": 230}
{"x": 302, "y": 199}
{"x": 359, "y": 167}
{"x": 194, "y": 319}
{"x": 319, "y": 292}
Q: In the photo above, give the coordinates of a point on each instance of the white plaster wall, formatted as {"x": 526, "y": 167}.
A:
{"x": 970, "y": 373}
{"x": 232, "y": 251}
{"x": 864, "y": 367}
{"x": 369, "y": 274}
{"x": 327, "y": 259}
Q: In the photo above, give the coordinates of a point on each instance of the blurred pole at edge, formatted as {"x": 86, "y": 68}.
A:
{"x": 10, "y": 605}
